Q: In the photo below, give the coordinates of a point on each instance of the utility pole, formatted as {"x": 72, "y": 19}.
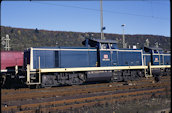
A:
{"x": 123, "y": 37}
{"x": 101, "y": 17}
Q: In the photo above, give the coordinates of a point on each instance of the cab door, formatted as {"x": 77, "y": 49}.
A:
{"x": 155, "y": 57}
{"x": 105, "y": 55}
{"x": 114, "y": 53}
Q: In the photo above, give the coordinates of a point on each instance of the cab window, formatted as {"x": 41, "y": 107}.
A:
{"x": 112, "y": 46}
{"x": 160, "y": 51}
{"x": 156, "y": 51}
{"x": 104, "y": 46}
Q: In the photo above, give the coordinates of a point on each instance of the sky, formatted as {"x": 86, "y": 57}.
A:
{"x": 139, "y": 16}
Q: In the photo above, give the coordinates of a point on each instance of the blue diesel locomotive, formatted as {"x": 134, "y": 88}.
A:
{"x": 99, "y": 60}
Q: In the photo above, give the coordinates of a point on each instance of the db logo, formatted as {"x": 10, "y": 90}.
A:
{"x": 156, "y": 60}
{"x": 105, "y": 56}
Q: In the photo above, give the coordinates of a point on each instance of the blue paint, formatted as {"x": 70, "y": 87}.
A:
{"x": 129, "y": 58}
{"x": 46, "y": 59}
{"x": 94, "y": 54}
{"x": 105, "y": 58}
{"x": 64, "y": 58}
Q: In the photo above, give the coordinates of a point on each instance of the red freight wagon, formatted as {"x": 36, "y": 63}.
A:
{"x": 11, "y": 58}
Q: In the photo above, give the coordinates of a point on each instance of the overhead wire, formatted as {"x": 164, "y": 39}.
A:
{"x": 108, "y": 11}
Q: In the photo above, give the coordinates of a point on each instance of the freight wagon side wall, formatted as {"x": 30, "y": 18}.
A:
{"x": 10, "y": 59}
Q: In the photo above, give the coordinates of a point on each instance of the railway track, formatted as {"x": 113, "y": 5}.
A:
{"x": 63, "y": 91}
{"x": 136, "y": 82}
{"x": 88, "y": 101}
{"x": 66, "y": 98}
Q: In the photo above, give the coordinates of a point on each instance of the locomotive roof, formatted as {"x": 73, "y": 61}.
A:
{"x": 61, "y": 47}
{"x": 103, "y": 41}
{"x": 153, "y": 48}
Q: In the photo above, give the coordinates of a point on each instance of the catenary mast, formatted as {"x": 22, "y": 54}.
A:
{"x": 101, "y": 17}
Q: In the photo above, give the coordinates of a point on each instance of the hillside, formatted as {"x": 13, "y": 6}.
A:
{"x": 21, "y": 39}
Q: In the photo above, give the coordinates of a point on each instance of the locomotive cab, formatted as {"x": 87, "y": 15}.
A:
{"x": 100, "y": 44}
{"x": 157, "y": 56}
{"x": 105, "y": 53}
